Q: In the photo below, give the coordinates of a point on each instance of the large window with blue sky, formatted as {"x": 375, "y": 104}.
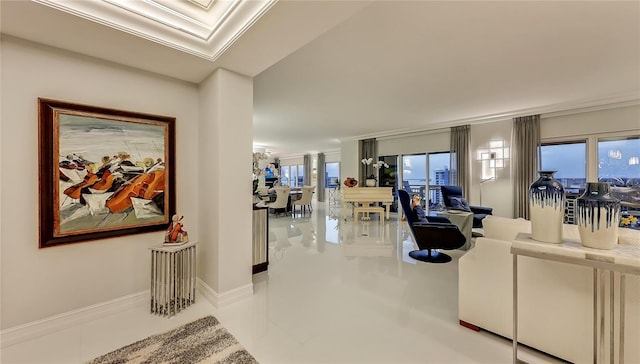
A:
{"x": 332, "y": 174}
{"x": 619, "y": 164}
{"x": 425, "y": 173}
{"x": 439, "y": 175}
{"x": 612, "y": 159}
{"x": 284, "y": 175}
{"x": 293, "y": 181}
{"x": 414, "y": 174}
{"x": 292, "y": 175}
{"x": 569, "y": 160}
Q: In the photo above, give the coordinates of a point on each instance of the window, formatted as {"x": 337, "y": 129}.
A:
{"x": 300, "y": 175}
{"x": 332, "y": 174}
{"x": 284, "y": 175}
{"x": 414, "y": 174}
{"x": 619, "y": 164}
{"x": 569, "y": 160}
{"x": 294, "y": 176}
{"x": 439, "y": 175}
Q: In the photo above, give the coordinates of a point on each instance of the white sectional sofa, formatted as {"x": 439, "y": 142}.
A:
{"x": 555, "y": 300}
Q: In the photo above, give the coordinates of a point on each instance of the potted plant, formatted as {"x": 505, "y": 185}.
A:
{"x": 371, "y": 177}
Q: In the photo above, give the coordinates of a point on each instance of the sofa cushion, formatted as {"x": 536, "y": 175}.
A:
{"x": 628, "y": 236}
{"x": 419, "y": 214}
{"x": 504, "y": 228}
{"x": 570, "y": 232}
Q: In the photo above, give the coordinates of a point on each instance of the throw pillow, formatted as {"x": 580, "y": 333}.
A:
{"x": 421, "y": 216}
{"x": 459, "y": 203}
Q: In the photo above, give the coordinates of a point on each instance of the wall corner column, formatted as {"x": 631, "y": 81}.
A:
{"x": 224, "y": 183}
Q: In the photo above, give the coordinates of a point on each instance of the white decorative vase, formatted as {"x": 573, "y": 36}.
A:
{"x": 546, "y": 208}
{"x": 370, "y": 182}
{"x": 598, "y": 217}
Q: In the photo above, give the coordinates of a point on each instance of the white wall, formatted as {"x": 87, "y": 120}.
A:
{"x": 349, "y": 162}
{"x": 332, "y": 157}
{"x": 497, "y": 193}
{"x": 623, "y": 119}
{"x": 291, "y": 161}
{"x": 38, "y": 283}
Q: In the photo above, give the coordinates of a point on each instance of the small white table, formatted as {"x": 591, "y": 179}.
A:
{"x": 624, "y": 259}
{"x": 464, "y": 221}
{"x": 173, "y": 278}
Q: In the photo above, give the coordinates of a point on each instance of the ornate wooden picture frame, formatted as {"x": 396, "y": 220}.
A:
{"x": 103, "y": 172}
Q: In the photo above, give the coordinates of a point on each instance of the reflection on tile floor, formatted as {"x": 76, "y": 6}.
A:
{"x": 335, "y": 292}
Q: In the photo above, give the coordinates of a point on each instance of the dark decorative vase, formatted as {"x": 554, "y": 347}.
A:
{"x": 598, "y": 216}
{"x": 546, "y": 206}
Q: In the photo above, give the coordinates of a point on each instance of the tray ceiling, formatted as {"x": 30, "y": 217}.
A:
{"x": 205, "y": 28}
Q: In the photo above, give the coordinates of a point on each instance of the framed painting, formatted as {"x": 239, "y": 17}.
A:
{"x": 103, "y": 172}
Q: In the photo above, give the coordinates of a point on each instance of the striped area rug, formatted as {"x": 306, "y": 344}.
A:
{"x": 201, "y": 341}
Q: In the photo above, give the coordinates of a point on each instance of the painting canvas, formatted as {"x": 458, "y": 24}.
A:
{"x": 103, "y": 172}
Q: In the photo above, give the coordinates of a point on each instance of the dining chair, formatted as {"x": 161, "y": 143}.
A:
{"x": 263, "y": 193}
{"x": 305, "y": 200}
{"x": 282, "y": 199}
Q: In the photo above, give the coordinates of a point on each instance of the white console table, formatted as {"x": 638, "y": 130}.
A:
{"x": 624, "y": 259}
{"x": 173, "y": 278}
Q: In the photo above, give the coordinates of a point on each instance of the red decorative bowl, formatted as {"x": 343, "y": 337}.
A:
{"x": 350, "y": 182}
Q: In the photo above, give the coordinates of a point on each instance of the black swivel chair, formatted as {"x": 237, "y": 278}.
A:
{"x": 454, "y": 193}
{"x": 435, "y": 233}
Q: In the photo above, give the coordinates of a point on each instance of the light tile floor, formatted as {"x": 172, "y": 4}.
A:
{"x": 335, "y": 292}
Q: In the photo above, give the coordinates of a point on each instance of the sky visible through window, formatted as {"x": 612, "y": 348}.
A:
{"x": 415, "y": 167}
{"x": 617, "y": 160}
{"x": 568, "y": 160}
{"x": 438, "y": 162}
{"x": 332, "y": 174}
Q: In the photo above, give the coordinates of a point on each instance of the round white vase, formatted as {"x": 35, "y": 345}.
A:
{"x": 546, "y": 208}
{"x": 370, "y": 182}
{"x": 598, "y": 217}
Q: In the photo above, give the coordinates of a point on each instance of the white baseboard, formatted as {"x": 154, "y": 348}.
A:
{"x": 32, "y": 330}
{"x": 220, "y": 300}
